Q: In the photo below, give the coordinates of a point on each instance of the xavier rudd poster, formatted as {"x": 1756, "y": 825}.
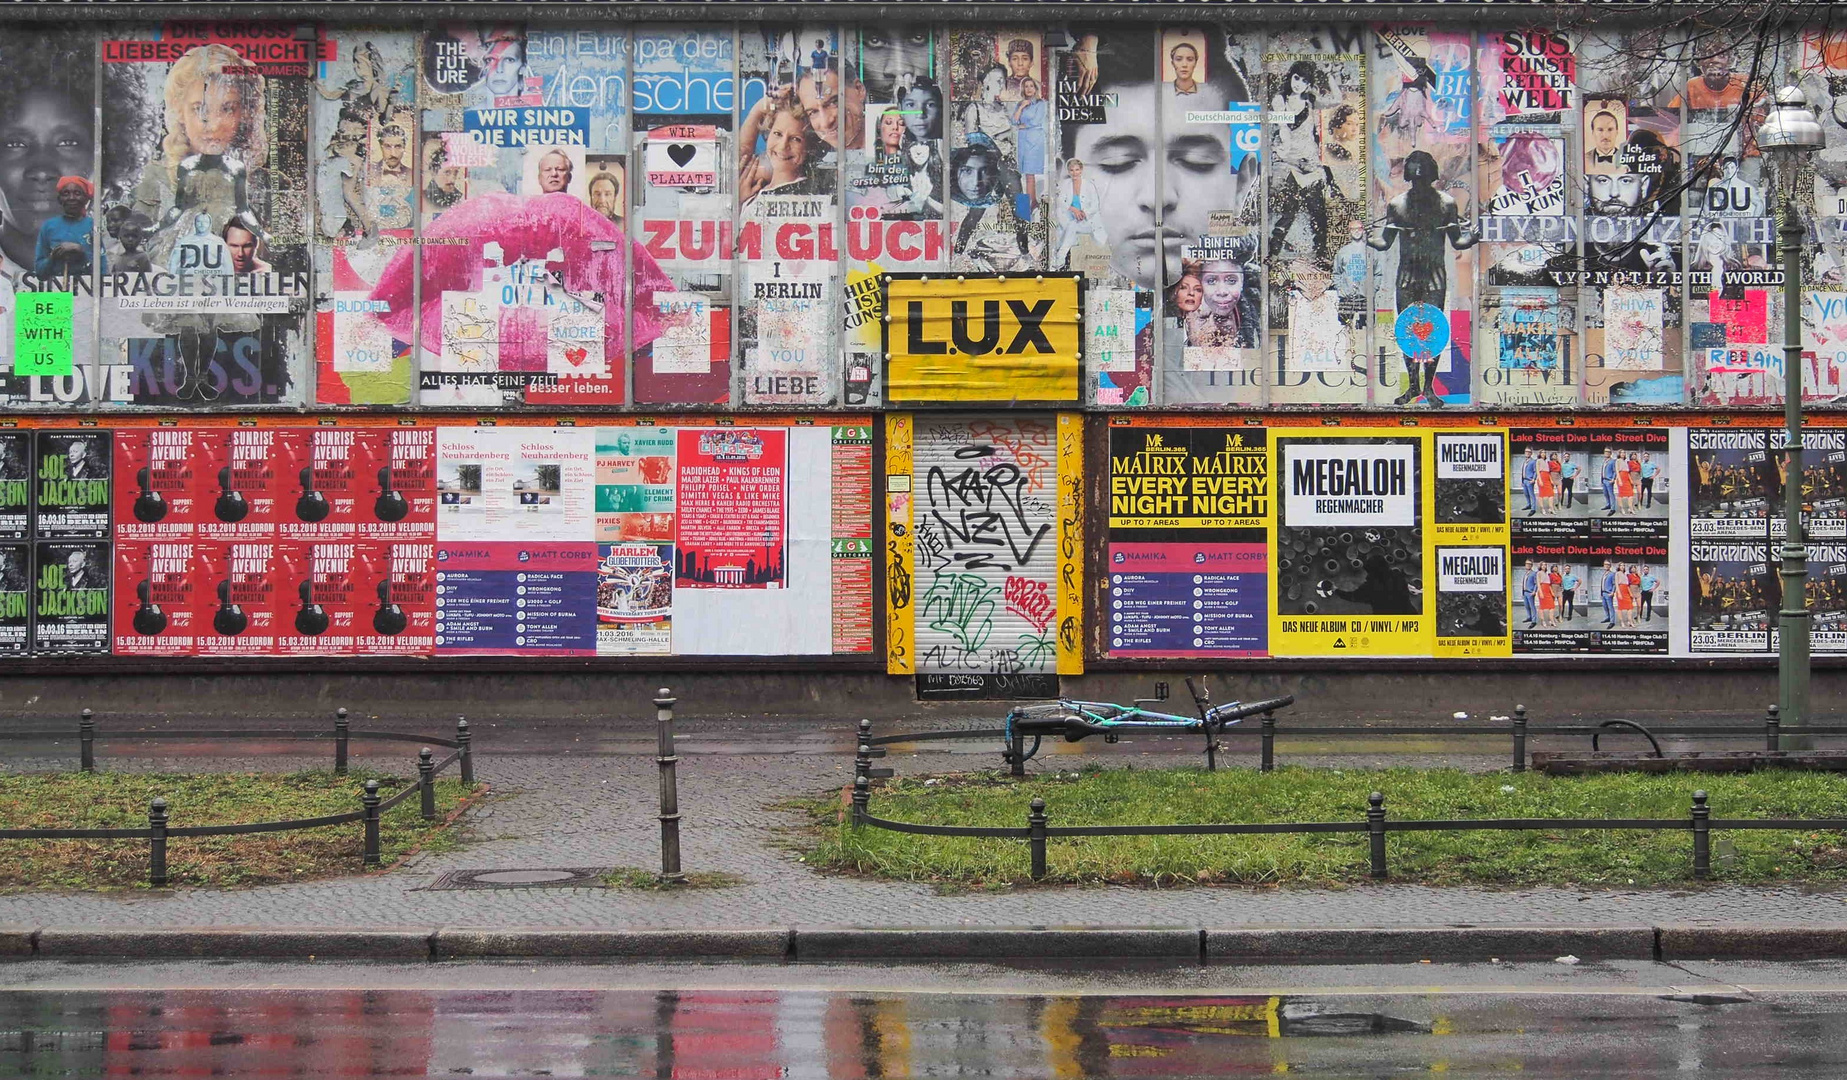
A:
{"x": 206, "y": 299}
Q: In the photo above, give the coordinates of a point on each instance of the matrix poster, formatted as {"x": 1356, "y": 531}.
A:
{"x": 1189, "y": 559}
{"x": 1352, "y": 523}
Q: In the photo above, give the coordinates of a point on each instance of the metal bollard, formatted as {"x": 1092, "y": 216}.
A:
{"x": 157, "y": 843}
{"x": 1267, "y": 760}
{"x": 865, "y": 733}
{"x": 426, "y": 782}
{"x": 370, "y": 801}
{"x": 670, "y": 789}
{"x": 1375, "y": 825}
{"x": 862, "y": 763}
{"x": 1702, "y": 837}
{"x": 86, "y": 740}
{"x": 463, "y": 740}
{"x": 1773, "y": 726}
{"x": 862, "y": 796}
{"x": 1035, "y": 825}
{"x": 1519, "y": 738}
{"x": 340, "y": 732}
{"x": 1016, "y": 754}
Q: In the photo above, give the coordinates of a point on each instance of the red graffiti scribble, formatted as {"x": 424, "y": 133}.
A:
{"x": 1029, "y": 600}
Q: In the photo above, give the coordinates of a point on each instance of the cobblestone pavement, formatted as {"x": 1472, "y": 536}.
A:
{"x": 575, "y": 811}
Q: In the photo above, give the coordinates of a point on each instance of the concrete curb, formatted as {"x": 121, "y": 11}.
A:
{"x": 998, "y": 942}
{"x": 1442, "y": 944}
{"x": 1752, "y": 942}
{"x": 463, "y": 943}
{"x": 1171, "y": 945}
{"x": 234, "y": 943}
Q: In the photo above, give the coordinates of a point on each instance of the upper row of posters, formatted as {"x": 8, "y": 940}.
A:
{"x": 488, "y": 215}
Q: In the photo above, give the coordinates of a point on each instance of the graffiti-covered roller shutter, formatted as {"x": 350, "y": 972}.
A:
{"x": 986, "y": 555}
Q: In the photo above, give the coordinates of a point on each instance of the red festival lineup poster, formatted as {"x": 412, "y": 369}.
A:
{"x": 241, "y": 604}
{"x": 251, "y": 480}
{"x": 730, "y": 508}
{"x": 156, "y": 598}
{"x": 396, "y": 470}
{"x": 157, "y": 497}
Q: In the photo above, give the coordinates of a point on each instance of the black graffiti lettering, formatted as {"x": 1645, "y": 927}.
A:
{"x": 986, "y": 509}
{"x": 898, "y": 578}
{"x": 1032, "y": 330}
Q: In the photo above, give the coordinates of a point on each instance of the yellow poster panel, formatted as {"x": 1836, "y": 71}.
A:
{"x": 900, "y": 658}
{"x": 983, "y": 338}
{"x": 1351, "y": 543}
{"x": 1070, "y": 543}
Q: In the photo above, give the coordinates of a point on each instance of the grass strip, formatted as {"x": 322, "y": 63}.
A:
{"x": 120, "y": 800}
{"x": 1191, "y": 795}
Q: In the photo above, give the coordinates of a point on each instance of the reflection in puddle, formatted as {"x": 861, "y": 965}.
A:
{"x": 741, "y": 1035}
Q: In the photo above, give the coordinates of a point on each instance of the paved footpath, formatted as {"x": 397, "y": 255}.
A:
{"x": 558, "y": 811}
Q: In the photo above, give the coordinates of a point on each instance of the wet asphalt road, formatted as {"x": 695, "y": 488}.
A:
{"x": 739, "y": 1022}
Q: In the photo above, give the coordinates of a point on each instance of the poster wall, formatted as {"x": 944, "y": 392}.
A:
{"x": 493, "y": 215}
{"x": 340, "y": 538}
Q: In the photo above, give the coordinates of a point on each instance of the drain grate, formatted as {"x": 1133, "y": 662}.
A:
{"x": 549, "y": 877}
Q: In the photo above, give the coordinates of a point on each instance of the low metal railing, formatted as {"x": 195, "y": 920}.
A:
{"x": 159, "y": 829}
{"x": 1519, "y": 728}
{"x": 1376, "y": 825}
{"x": 342, "y": 735}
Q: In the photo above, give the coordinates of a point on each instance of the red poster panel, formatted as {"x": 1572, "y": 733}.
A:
{"x": 249, "y": 480}
{"x": 327, "y": 591}
{"x": 156, "y": 497}
{"x": 399, "y": 465}
{"x": 242, "y": 606}
{"x": 156, "y": 598}
{"x": 329, "y": 490}
{"x": 400, "y": 614}
{"x": 731, "y": 507}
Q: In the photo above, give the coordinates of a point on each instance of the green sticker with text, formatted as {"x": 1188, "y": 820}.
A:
{"x": 42, "y": 333}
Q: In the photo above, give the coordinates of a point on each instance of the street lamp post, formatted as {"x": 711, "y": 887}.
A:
{"x": 1788, "y": 135}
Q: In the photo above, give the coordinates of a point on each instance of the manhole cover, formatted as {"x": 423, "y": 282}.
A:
{"x": 551, "y": 877}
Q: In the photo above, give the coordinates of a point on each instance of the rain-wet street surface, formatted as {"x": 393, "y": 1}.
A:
{"x": 745, "y": 1021}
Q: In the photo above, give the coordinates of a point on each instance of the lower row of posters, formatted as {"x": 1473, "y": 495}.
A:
{"x": 420, "y": 540}
{"x": 1241, "y": 541}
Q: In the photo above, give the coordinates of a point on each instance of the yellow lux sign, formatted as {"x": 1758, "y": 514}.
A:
{"x": 995, "y": 338}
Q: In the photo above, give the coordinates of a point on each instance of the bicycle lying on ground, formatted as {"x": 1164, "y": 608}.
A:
{"x": 1076, "y": 720}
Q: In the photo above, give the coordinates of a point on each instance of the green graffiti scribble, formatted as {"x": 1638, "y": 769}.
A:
{"x": 962, "y": 606}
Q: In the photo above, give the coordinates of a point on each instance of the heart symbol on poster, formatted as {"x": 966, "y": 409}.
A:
{"x": 1421, "y": 329}
{"x": 681, "y": 153}
{"x": 576, "y": 356}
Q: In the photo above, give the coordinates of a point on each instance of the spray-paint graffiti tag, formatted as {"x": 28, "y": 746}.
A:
{"x": 985, "y": 560}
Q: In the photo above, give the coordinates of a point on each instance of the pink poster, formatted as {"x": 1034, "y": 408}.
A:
{"x": 731, "y": 507}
